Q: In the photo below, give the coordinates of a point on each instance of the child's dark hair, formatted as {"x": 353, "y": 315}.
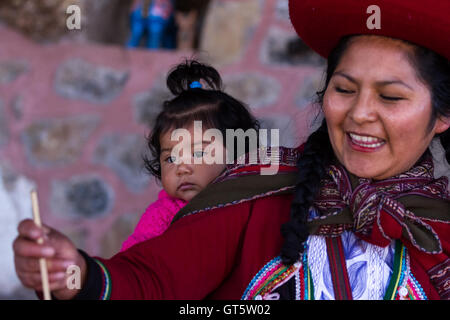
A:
{"x": 432, "y": 68}
{"x": 208, "y": 104}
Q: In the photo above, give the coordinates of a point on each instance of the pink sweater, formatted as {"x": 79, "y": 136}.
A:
{"x": 155, "y": 220}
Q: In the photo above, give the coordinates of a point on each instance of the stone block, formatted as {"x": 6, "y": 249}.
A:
{"x": 123, "y": 154}
{"x": 17, "y": 106}
{"x": 282, "y": 47}
{"x": 81, "y": 196}
{"x": 307, "y": 93}
{"x": 57, "y": 142}
{"x": 282, "y": 10}
{"x": 228, "y": 29}
{"x": 11, "y": 69}
{"x": 285, "y": 126}
{"x": 254, "y": 89}
{"x": 147, "y": 104}
{"x": 79, "y": 79}
{"x": 4, "y": 132}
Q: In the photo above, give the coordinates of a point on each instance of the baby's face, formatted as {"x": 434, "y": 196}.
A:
{"x": 180, "y": 176}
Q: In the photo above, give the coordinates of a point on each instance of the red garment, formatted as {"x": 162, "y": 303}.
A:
{"x": 213, "y": 254}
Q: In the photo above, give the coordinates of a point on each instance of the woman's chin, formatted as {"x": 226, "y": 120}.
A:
{"x": 364, "y": 169}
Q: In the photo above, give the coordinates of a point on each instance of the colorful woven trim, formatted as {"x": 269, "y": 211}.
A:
{"x": 403, "y": 285}
{"x": 275, "y": 274}
{"x": 266, "y": 279}
{"x": 106, "y": 287}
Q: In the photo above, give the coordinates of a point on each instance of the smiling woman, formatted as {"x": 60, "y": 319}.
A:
{"x": 385, "y": 98}
{"x": 375, "y": 114}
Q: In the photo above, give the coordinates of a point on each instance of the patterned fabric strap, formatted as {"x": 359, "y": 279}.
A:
{"x": 440, "y": 277}
{"x": 382, "y": 211}
{"x": 338, "y": 269}
{"x": 244, "y": 182}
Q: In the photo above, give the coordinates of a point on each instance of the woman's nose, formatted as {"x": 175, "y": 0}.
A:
{"x": 363, "y": 109}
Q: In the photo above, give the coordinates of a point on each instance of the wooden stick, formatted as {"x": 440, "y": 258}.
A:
{"x": 42, "y": 262}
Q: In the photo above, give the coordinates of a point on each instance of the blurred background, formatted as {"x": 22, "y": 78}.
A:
{"x": 78, "y": 98}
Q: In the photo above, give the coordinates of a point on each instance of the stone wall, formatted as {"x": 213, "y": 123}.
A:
{"x": 73, "y": 118}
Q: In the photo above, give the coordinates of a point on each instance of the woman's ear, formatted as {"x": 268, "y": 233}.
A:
{"x": 442, "y": 124}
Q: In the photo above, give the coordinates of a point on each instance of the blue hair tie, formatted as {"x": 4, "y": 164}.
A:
{"x": 195, "y": 84}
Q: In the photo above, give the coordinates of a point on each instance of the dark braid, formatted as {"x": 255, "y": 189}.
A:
{"x": 317, "y": 154}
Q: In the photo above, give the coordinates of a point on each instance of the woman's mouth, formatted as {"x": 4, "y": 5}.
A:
{"x": 364, "y": 143}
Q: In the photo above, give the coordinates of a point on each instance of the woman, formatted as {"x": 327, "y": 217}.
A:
{"x": 363, "y": 218}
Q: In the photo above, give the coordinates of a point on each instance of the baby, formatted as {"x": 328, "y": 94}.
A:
{"x": 198, "y": 100}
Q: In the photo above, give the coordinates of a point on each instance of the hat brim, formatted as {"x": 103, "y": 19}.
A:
{"x": 321, "y": 23}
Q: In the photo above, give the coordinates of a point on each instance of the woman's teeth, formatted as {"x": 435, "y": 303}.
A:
{"x": 366, "y": 141}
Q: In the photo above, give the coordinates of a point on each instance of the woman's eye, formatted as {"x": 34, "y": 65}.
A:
{"x": 391, "y": 98}
{"x": 340, "y": 90}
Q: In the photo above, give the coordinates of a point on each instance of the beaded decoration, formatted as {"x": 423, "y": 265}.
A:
{"x": 409, "y": 288}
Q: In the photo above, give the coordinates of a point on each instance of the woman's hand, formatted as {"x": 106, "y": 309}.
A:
{"x": 59, "y": 252}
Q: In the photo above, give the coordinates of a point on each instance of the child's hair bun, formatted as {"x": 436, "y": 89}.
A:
{"x": 181, "y": 77}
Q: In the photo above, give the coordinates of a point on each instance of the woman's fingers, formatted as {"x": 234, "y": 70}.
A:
{"x": 57, "y": 281}
{"x": 58, "y": 251}
{"x": 26, "y": 264}
{"x": 28, "y": 229}
{"x": 28, "y": 248}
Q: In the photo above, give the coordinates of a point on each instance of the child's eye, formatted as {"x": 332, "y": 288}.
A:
{"x": 170, "y": 159}
{"x": 198, "y": 154}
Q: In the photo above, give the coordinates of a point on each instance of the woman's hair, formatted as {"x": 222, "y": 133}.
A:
{"x": 208, "y": 104}
{"x": 432, "y": 69}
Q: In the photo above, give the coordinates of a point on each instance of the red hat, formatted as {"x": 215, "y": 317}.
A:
{"x": 321, "y": 23}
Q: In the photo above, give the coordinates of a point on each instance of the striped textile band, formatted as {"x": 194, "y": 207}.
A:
{"x": 338, "y": 269}
{"x": 396, "y": 272}
{"x": 106, "y": 288}
{"x": 308, "y": 281}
